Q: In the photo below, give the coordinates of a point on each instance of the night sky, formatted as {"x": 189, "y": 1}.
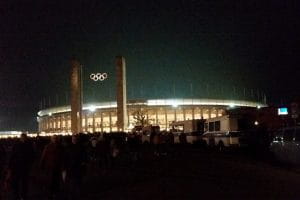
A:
{"x": 172, "y": 49}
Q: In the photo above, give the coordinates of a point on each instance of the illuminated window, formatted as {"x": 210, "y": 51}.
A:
{"x": 188, "y": 114}
{"x": 197, "y": 113}
{"x": 179, "y": 115}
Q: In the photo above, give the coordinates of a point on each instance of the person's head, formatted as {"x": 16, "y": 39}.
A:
{"x": 94, "y": 142}
{"x": 23, "y": 137}
{"x": 74, "y": 139}
{"x": 54, "y": 139}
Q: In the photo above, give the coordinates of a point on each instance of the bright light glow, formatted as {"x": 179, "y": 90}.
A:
{"x": 256, "y": 123}
{"x": 258, "y": 107}
{"x": 283, "y": 111}
{"x": 175, "y": 104}
{"x": 157, "y": 102}
{"x": 92, "y": 108}
{"x": 231, "y": 105}
{"x": 50, "y": 114}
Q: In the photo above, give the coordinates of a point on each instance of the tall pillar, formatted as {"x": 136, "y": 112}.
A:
{"x": 121, "y": 94}
{"x": 76, "y": 96}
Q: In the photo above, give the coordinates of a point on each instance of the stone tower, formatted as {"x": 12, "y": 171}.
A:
{"x": 76, "y": 96}
{"x": 121, "y": 94}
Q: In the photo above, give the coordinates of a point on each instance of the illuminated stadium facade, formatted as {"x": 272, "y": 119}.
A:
{"x": 102, "y": 116}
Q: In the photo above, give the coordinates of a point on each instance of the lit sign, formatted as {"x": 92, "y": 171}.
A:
{"x": 98, "y": 76}
{"x": 282, "y": 111}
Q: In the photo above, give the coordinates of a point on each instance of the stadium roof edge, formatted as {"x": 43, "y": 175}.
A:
{"x": 157, "y": 102}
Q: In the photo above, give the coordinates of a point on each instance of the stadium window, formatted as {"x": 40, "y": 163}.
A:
{"x": 211, "y": 126}
{"x": 217, "y": 125}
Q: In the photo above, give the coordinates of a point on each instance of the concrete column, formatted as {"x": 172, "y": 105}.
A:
{"x": 183, "y": 110}
{"x": 193, "y": 113}
{"x": 61, "y": 123}
{"x": 166, "y": 118}
{"x": 209, "y": 113}
{"x": 175, "y": 115}
{"x": 110, "y": 124}
{"x": 201, "y": 112}
{"x": 101, "y": 125}
{"x": 156, "y": 116}
{"x": 86, "y": 123}
{"x": 128, "y": 117}
{"x": 56, "y": 123}
{"x": 93, "y": 122}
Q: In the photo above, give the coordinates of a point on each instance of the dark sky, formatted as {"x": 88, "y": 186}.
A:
{"x": 172, "y": 49}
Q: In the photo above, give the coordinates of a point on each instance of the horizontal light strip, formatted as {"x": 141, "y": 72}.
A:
{"x": 157, "y": 102}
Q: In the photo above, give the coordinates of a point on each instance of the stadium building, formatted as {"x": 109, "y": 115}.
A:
{"x": 102, "y": 116}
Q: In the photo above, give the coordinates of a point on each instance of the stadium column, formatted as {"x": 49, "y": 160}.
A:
{"x": 121, "y": 94}
{"x": 201, "y": 113}
{"x": 110, "y": 124}
{"x": 86, "y": 125}
{"x": 61, "y": 123}
{"x": 101, "y": 121}
{"x": 76, "y": 96}
{"x": 166, "y": 118}
{"x": 93, "y": 122}
{"x": 209, "y": 113}
{"x": 193, "y": 113}
{"x": 175, "y": 115}
{"x": 156, "y": 116}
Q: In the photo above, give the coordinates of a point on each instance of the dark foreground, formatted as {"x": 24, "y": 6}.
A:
{"x": 188, "y": 173}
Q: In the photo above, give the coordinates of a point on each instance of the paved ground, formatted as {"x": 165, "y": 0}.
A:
{"x": 193, "y": 174}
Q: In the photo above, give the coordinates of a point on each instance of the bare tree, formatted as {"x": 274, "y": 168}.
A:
{"x": 140, "y": 117}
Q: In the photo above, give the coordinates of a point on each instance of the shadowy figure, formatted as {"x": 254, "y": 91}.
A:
{"x": 75, "y": 167}
{"x": 51, "y": 162}
{"x": 19, "y": 167}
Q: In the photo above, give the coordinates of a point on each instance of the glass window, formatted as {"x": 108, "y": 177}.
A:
{"x": 206, "y": 127}
{"x": 211, "y": 126}
{"x": 217, "y": 126}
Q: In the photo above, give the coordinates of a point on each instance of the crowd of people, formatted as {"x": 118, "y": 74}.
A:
{"x": 63, "y": 161}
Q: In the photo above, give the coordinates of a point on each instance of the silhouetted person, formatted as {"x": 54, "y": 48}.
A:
{"x": 75, "y": 167}
{"x": 93, "y": 153}
{"x": 51, "y": 162}
{"x": 19, "y": 166}
{"x": 104, "y": 153}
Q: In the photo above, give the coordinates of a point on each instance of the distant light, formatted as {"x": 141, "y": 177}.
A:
{"x": 256, "y": 123}
{"x": 258, "y": 107}
{"x": 231, "y": 105}
{"x": 50, "y": 114}
{"x": 92, "y": 108}
{"x": 175, "y": 104}
{"x": 283, "y": 111}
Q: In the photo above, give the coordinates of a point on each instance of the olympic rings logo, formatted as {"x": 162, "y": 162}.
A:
{"x": 98, "y": 76}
